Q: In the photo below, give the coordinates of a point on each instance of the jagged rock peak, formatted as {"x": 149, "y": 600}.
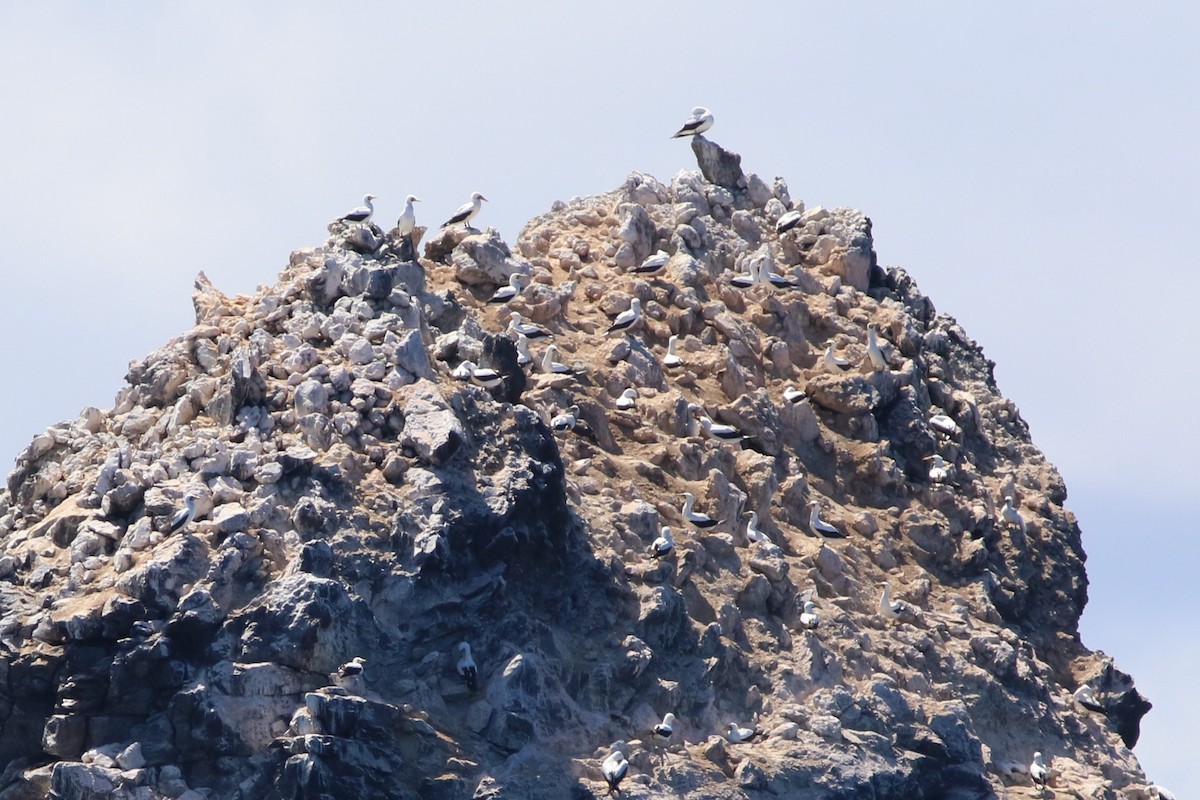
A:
{"x": 365, "y": 463}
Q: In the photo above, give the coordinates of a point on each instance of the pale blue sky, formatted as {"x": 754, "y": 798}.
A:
{"x": 1034, "y": 168}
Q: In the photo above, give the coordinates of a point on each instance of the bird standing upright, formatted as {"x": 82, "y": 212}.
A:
{"x": 466, "y": 211}
{"x": 700, "y": 121}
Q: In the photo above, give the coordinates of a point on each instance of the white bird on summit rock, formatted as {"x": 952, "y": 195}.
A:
{"x": 878, "y": 360}
{"x": 466, "y": 211}
{"x": 517, "y": 325}
{"x": 652, "y": 263}
{"x": 833, "y": 363}
{"x": 938, "y": 473}
{"x": 614, "y": 768}
{"x": 523, "y": 356}
{"x": 360, "y": 215}
{"x": 466, "y": 666}
{"x": 552, "y": 365}
{"x": 665, "y": 729}
{"x": 788, "y": 221}
{"x": 793, "y": 395}
{"x": 753, "y": 533}
{"x": 516, "y": 284}
{"x": 664, "y": 544}
{"x": 700, "y": 121}
{"x": 1086, "y": 697}
{"x": 566, "y": 420}
{"x": 698, "y": 520}
{"x": 891, "y": 609}
{"x": 1011, "y": 515}
{"x": 809, "y": 618}
{"x": 818, "y": 525}
{"x": 627, "y": 318}
{"x": 672, "y": 359}
{"x": 628, "y": 399}
{"x": 184, "y": 516}
{"x": 349, "y": 675}
{"x": 715, "y": 430}
{"x": 1039, "y": 772}
{"x": 408, "y": 217}
{"x": 738, "y": 734}
{"x": 943, "y": 423}
{"x": 746, "y": 279}
{"x": 1160, "y": 793}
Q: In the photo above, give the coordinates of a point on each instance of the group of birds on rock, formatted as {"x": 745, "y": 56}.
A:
{"x": 361, "y": 215}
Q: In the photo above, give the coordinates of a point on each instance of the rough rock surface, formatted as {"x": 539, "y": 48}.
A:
{"x": 354, "y": 498}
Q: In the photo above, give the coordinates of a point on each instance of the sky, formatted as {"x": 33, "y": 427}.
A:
{"x": 1033, "y": 166}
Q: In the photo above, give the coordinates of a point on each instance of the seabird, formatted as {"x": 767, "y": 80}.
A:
{"x": 361, "y": 214}
{"x": 809, "y": 618}
{"x": 466, "y": 211}
{"x": 1160, "y": 792}
{"x": 1039, "y": 772}
{"x": 938, "y": 473}
{"x": 566, "y": 420}
{"x": 738, "y": 734}
{"x": 944, "y": 424}
{"x": 1011, "y": 515}
{"x": 480, "y": 376}
{"x": 700, "y": 121}
{"x": 774, "y": 279}
{"x": 664, "y": 544}
{"x": 550, "y": 365}
{"x": 726, "y": 433}
{"x": 464, "y": 370}
{"x": 408, "y": 217}
{"x": 628, "y": 399}
{"x": 517, "y": 325}
{"x": 746, "y": 279}
{"x": 788, "y": 221}
{"x": 652, "y": 263}
{"x": 349, "y": 675}
{"x": 466, "y": 665}
{"x": 753, "y": 533}
{"x": 878, "y": 360}
{"x": 523, "y": 356}
{"x": 891, "y": 609}
{"x": 516, "y": 284}
{"x": 665, "y": 729}
{"x": 1086, "y": 697}
{"x": 614, "y": 768}
{"x": 833, "y": 363}
{"x": 185, "y": 515}
{"x": 627, "y": 318}
{"x": 820, "y": 526}
{"x": 793, "y": 395}
{"x": 698, "y": 520}
{"x": 671, "y": 359}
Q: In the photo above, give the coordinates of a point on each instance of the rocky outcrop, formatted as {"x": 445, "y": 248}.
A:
{"x": 354, "y": 498}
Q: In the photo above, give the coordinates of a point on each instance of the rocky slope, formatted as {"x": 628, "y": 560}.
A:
{"x": 355, "y": 498}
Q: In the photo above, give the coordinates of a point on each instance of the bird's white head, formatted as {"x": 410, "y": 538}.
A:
{"x": 809, "y": 606}
{"x": 669, "y": 719}
{"x": 699, "y": 111}
{"x": 574, "y": 411}
{"x": 753, "y": 517}
{"x": 412, "y": 198}
{"x": 478, "y": 196}
{"x": 636, "y": 305}
{"x": 813, "y": 504}
{"x": 515, "y": 318}
{"x": 689, "y": 497}
{"x": 464, "y": 648}
{"x": 368, "y": 198}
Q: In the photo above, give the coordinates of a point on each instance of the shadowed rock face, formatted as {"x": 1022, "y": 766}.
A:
{"x": 354, "y": 498}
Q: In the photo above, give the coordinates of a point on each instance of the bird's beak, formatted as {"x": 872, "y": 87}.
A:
{"x": 481, "y": 197}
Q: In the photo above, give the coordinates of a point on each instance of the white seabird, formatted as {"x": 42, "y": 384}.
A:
{"x": 672, "y": 359}
{"x": 517, "y": 325}
{"x": 938, "y": 473}
{"x": 788, "y": 221}
{"x": 466, "y": 666}
{"x": 408, "y": 217}
{"x": 753, "y": 533}
{"x": 665, "y": 729}
{"x": 738, "y": 734}
{"x": 820, "y": 526}
{"x": 627, "y": 318}
{"x": 726, "y": 433}
{"x": 516, "y": 284}
{"x": 746, "y": 279}
{"x": 809, "y": 618}
{"x": 550, "y": 364}
{"x": 349, "y": 675}
{"x": 480, "y": 376}
{"x": 628, "y": 399}
{"x": 833, "y": 363}
{"x": 793, "y": 395}
{"x": 878, "y": 360}
{"x": 664, "y": 544}
{"x": 891, "y": 609}
{"x": 615, "y": 767}
{"x": 566, "y": 420}
{"x": 698, "y": 520}
{"x": 1086, "y": 697}
{"x": 466, "y": 211}
{"x": 464, "y": 371}
{"x": 1039, "y": 772}
{"x": 185, "y": 515}
{"x": 700, "y": 121}
{"x": 943, "y": 423}
{"x": 652, "y": 263}
{"x": 1011, "y": 515}
{"x": 360, "y": 215}
{"x": 1160, "y": 793}
{"x": 523, "y": 356}
{"x": 773, "y": 279}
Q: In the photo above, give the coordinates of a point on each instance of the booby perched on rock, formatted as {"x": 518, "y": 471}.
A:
{"x": 664, "y": 544}
{"x": 892, "y": 609}
{"x": 466, "y": 211}
{"x": 627, "y": 318}
{"x": 773, "y": 279}
{"x": 672, "y": 359}
{"x": 695, "y": 518}
{"x": 628, "y": 399}
{"x": 737, "y": 734}
{"x": 715, "y": 430}
{"x": 1039, "y": 772}
{"x": 820, "y": 526}
{"x": 809, "y": 619}
{"x": 615, "y": 767}
{"x": 349, "y": 676}
{"x": 700, "y": 121}
{"x": 185, "y": 515}
{"x": 480, "y": 376}
{"x": 517, "y": 325}
{"x": 1160, "y": 793}
{"x": 753, "y": 533}
{"x": 523, "y": 356}
{"x": 938, "y": 473}
{"x": 788, "y": 221}
{"x": 746, "y": 279}
{"x": 516, "y": 284}
{"x": 943, "y": 423}
{"x": 360, "y": 215}
{"x": 832, "y": 362}
{"x": 652, "y": 263}
{"x": 878, "y": 359}
{"x": 665, "y": 729}
{"x": 550, "y": 363}
{"x": 566, "y": 420}
{"x": 793, "y": 395}
{"x": 466, "y": 666}
{"x": 1011, "y": 515}
{"x": 1086, "y": 697}
{"x": 408, "y": 217}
